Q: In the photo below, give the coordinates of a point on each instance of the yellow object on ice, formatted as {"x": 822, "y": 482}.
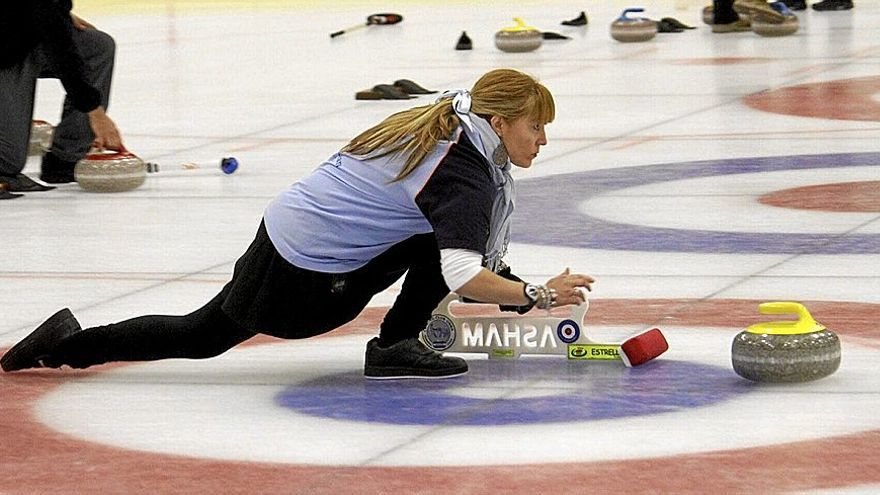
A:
{"x": 520, "y": 26}
{"x": 804, "y": 324}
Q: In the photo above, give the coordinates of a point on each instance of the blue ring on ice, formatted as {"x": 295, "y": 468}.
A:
{"x": 518, "y": 392}
{"x": 570, "y": 227}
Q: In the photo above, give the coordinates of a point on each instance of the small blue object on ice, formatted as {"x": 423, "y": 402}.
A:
{"x": 228, "y": 165}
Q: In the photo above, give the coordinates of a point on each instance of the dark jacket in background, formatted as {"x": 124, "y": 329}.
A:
{"x": 26, "y": 25}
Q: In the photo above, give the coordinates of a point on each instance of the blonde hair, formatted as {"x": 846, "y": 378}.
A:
{"x": 507, "y": 93}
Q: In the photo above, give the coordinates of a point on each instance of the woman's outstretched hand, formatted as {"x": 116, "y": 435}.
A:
{"x": 570, "y": 287}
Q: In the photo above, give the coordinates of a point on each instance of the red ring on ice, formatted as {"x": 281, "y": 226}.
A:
{"x": 862, "y": 197}
{"x": 723, "y": 60}
{"x": 38, "y": 459}
{"x": 845, "y": 99}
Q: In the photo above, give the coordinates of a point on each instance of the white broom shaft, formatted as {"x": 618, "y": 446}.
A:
{"x": 349, "y": 29}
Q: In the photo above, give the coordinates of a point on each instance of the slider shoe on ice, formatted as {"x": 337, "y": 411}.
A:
{"x": 32, "y": 349}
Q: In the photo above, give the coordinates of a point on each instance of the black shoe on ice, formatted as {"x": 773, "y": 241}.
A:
{"x": 409, "y": 359}
{"x": 32, "y": 349}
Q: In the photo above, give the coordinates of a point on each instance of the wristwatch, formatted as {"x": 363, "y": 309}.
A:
{"x": 540, "y": 296}
{"x": 531, "y": 291}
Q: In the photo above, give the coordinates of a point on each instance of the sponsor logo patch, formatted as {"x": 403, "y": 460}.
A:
{"x": 440, "y": 333}
{"x": 593, "y": 351}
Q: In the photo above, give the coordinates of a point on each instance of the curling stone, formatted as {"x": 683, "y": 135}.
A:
{"x": 632, "y": 29}
{"x": 519, "y": 38}
{"x": 110, "y": 171}
{"x": 770, "y": 28}
{"x": 786, "y": 351}
{"x": 41, "y": 137}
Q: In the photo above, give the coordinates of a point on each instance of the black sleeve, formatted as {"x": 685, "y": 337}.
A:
{"x": 457, "y": 199}
{"x": 17, "y": 35}
{"x": 506, "y": 273}
{"x": 54, "y": 26}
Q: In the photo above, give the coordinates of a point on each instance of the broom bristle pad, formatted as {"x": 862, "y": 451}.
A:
{"x": 645, "y": 347}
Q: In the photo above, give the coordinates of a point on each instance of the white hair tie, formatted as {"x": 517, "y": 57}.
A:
{"x": 461, "y": 104}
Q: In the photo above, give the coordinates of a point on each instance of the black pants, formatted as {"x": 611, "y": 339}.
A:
{"x": 269, "y": 295}
{"x": 723, "y": 13}
{"x": 73, "y": 135}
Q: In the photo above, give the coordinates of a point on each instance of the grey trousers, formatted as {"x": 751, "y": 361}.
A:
{"x": 73, "y": 134}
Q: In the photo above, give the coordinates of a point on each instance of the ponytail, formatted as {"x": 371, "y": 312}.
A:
{"x": 414, "y": 133}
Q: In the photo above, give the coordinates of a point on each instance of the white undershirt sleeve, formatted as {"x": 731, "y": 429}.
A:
{"x": 459, "y": 266}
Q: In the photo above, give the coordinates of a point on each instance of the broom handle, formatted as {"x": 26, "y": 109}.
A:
{"x": 343, "y": 31}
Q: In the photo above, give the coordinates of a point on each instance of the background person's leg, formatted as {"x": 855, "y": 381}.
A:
{"x": 723, "y": 13}
{"x": 73, "y": 135}
{"x": 17, "y": 92}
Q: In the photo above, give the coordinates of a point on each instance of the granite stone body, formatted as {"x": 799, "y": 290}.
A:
{"x": 110, "y": 173}
{"x": 786, "y": 358}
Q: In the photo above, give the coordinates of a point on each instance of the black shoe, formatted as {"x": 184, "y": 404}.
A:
{"x": 30, "y": 352}
{"x": 412, "y": 88}
{"x": 55, "y": 170}
{"x": 580, "y": 20}
{"x": 833, "y": 5}
{"x": 409, "y": 359}
{"x": 383, "y": 92}
{"x": 4, "y": 190}
{"x": 795, "y": 4}
{"x": 664, "y": 26}
{"x": 464, "y": 42}
{"x": 22, "y": 183}
{"x": 676, "y": 23}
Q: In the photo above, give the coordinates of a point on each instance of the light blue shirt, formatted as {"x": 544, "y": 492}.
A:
{"x": 348, "y": 211}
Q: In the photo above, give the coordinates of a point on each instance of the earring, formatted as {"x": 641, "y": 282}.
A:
{"x": 500, "y": 156}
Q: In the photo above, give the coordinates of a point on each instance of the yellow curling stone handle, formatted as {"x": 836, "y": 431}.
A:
{"x": 804, "y": 324}
{"x": 520, "y": 27}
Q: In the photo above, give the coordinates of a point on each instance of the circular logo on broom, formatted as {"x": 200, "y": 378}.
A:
{"x": 568, "y": 331}
{"x": 440, "y": 332}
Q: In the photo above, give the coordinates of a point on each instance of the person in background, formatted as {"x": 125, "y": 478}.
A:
{"x": 727, "y": 19}
{"x": 43, "y": 39}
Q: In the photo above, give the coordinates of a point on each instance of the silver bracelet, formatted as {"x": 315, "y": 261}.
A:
{"x": 540, "y": 295}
